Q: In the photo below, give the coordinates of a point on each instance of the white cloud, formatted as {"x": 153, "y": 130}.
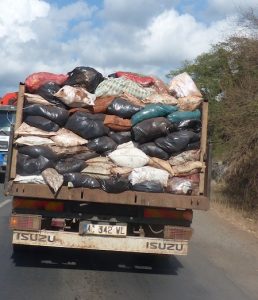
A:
{"x": 172, "y": 37}
{"x": 145, "y": 36}
{"x": 16, "y": 18}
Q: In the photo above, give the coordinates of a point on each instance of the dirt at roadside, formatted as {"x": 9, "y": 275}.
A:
{"x": 237, "y": 218}
{"x": 229, "y": 210}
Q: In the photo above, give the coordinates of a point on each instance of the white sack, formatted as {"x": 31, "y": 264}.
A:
{"x": 189, "y": 103}
{"x": 66, "y": 138}
{"x": 99, "y": 161}
{"x": 33, "y": 141}
{"x": 66, "y": 151}
{"x": 139, "y": 175}
{"x": 161, "y": 98}
{"x": 160, "y": 164}
{"x": 98, "y": 170}
{"x": 75, "y": 96}
{"x": 26, "y": 129}
{"x": 183, "y": 157}
{"x": 127, "y": 145}
{"x": 187, "y": 168}
{"x": 30, "y": 179}
{"x": 182, "y": 85}
{"x": 36, "y": 99}
{"x": 129, "y": 157}
{"x": 122, "y": 171}
{"x": 53, "y": 179}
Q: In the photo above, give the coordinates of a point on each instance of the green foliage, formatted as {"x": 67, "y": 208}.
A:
{"x": 231, "y": 67}
{"x": 211, "y": 72}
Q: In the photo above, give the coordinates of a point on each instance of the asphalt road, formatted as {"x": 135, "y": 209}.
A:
{"x": 222, "y": 264}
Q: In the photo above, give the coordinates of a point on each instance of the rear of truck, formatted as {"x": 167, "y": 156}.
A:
{"x": 82, "y": 218}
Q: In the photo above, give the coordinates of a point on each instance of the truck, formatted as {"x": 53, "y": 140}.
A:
{"x": 7, "y": 118}
{"x": 83, "y": 218}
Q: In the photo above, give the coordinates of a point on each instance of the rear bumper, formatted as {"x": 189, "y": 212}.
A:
{"x": 59, "y": 239}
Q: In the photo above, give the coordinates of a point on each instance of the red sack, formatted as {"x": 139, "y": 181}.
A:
{"x": 36, "y": 80}
{"x": 9, "y": 99}
{"x": 142, "y": 80}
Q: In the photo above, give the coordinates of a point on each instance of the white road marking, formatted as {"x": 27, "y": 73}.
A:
{"x": 5, "y": 202}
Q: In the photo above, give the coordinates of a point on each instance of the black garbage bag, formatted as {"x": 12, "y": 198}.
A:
{"x": 48, "y": 90}
{"x": 41, "y": 123}
{"x": 70, "y": 165}
{"x": 86, "y": 125}
{"x": 81, "y": 180}
{"x": 86, "y": 155}
{"x": 114, "y": 185}
{"x": 36, "y": 151}
{"x": 85, "y": 77}
{"x": 148, "y": 186}
{"x": 193, "y": 146}
{"x": 150, "y": 129}
{"x": 194, "y": 125}
{"x": 56, "y": 114}
{"x": 120, "y": 137}
{"x": 102, "y": 144}
{"x": 152, "y": 150}
{"x": 31, "y": 166}
{"x": 122, "y": 108}
{"x": 195, "y": 137}
{"x": 176, "y": 141}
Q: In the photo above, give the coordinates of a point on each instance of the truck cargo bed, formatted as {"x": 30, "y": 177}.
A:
{"x": 99, "y": 196}
{"x": 165, "y": 200}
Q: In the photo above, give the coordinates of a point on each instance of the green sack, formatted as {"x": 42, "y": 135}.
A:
{"x": 118, "y": 86}
{"x": 179, "y": 116}
{"x": 153, "y": 111}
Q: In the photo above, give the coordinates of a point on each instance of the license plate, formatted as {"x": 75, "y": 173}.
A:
{"x": 103, "y": 229}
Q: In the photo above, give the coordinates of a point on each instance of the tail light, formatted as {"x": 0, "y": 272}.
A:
{"x": 186, "y": 214}
{"x": 25, "y": 222}
{"x": 58, "y": 222}
{"x": 177, "y": 232}
{"x": 47, "y": 205}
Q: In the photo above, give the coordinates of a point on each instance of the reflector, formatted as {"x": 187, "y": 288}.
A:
{"x": 25, "y": 222}
{"x": 177, "y": 232}
{"x": 168, "y": 213}
{"x": 47, "y": 205}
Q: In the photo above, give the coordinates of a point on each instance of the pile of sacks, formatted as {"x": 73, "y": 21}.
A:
{"x": 123, "y": 132}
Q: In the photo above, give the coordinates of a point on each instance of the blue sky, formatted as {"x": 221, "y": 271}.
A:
{"x": 146, "y": 36}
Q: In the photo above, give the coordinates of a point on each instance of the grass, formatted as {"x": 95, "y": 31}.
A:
{"x": 234, "y": 210}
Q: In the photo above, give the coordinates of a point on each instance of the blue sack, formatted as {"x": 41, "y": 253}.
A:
{"x": 153, "y": 111}
{"x": 179, "y": 116}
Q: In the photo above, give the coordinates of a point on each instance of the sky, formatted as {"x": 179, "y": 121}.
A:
{"x": 146, "y": 36}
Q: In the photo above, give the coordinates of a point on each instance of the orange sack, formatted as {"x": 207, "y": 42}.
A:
{"x": 117, "y": 124}
{"x": 101, "y": 104}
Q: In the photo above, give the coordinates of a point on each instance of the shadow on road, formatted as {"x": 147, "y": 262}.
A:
{"x": 96, "y": 260}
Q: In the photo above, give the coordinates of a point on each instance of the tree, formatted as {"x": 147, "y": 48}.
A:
{"x": 231, "y": 67}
